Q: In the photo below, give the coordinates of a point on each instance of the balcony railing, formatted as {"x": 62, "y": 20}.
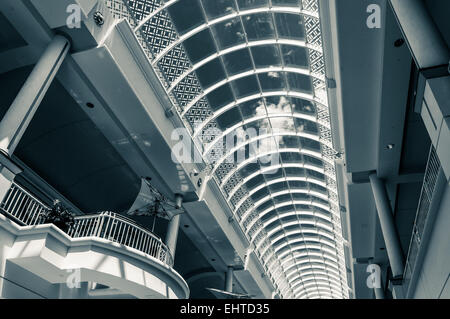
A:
{"x": 122, "y": 230}
{"x": 431, "y": 178}
{"x": 24, "y": 208}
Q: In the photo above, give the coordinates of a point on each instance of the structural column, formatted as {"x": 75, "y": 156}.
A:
{"x": 388, "y": 228}
{"x": 22, "y": 110}
{"x": 229, "y": 279}
{"x": 173, "y": 228}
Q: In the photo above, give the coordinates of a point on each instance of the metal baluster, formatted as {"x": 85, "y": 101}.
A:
{"x": 33, "y": 213}
{"x": 107, "y": 233}
{"x": 15, "y": 192}
{"x": 100, "y": 226}
{"x": 144, "y": 242}
{"x": 16, "y": 201}
{"x": 21, "y": 213}
{"x": 140, "y": 240}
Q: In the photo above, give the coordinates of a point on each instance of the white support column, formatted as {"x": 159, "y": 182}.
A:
{"x": 424, "y": 39}
{"x": 229, "y": 279}
{"x": 388, "y": 228}
{"x": 173, "y": 228}
{"x": 22, "y": 110}
{"x": 379, "y": 293}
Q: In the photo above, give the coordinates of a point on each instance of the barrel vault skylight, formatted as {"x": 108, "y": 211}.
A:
{"x": 232, "y": 65}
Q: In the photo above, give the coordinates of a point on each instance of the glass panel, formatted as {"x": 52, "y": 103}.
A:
{"x": 220, "y": 97}
{"x": 249, "y": 169}
{"x": 253, "y": 108}
{"x": 260, "y": 126}
{"x": 245, "y": 86}
{"x": 288, "y": 142}
{"x": 278, "y": 187}
{"x": 290, "y": 3}
{"x": 266, "y": 145}
{"x": 238, "y": 62}
{"x": 310, "y": 144}
{"x": 295, "y": 56}
{"x": 273, "y": 225}
{"x": 291, "y": 157}
{"x": 286, "y": 209}
{"x": 218, "y": 8}
{"x": 229, "y": 118}
{"x": 316, "y": 174}
{"x": 282, "y": 124}
{"x": 276, "y": 175}
{"x": 302, "y": 208}
{"x": 321, "y": 201}
{"x": 200, "y": 46}
{"x": 229, "y": 33}
{"x": 299, "y": 82}
{"x": 305, "y": 126}
{"x": 259, "y": 26}
{"x": 255, "y": 182}
{"x": 249, "y": 4}
{"x": 318, "y": 188}
{"x": 312, "y": 160}
{"x": 186, "y": 15}
{"x": 294, "y": 171}
{"x": 269, "y": 163}
{"x": 283, "y": 198}
{"x": 272, "y": 81}
{"x": 290, "y": 26}
{"x": 262, "y": 193}
{"x": 298, "y": 184}
{"x": 279, "y": 242}
{"x": 266, "y": 56}
{"x": 268, "y": 216}
{"x": 303, "y": 106}
{"x": 300, "y": 196}
{"x": 210, "y": 73}
{"x": 278, "y": 104}
{"x": 265, "y": 205}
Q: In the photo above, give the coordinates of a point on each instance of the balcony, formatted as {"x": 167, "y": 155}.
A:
{"x": 433, "y": 187}
{"x": 106, "y": 249}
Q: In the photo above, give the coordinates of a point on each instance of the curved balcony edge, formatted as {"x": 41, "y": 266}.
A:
{"x": 48, "y": 252}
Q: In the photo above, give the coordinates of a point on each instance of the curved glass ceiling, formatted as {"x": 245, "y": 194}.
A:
{"x": 230, "y": 66}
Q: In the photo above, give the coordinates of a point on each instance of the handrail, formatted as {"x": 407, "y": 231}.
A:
{"x": 24, "y": 208}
